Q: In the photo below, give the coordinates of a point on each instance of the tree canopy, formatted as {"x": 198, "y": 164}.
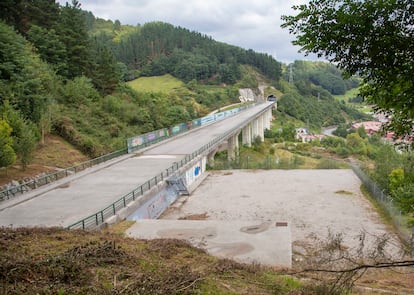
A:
{"x": 373, "y": 39}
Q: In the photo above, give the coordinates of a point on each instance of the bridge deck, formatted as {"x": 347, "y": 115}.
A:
{"x": 78, "y": 196}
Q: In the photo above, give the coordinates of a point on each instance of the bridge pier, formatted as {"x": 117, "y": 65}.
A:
{"x": 268, "y": 116}
{"x": 257, "y": 128}
{"x": 247, "y": 135}
{"x": 233, "y": 147}
{"x": 210, "y": 157}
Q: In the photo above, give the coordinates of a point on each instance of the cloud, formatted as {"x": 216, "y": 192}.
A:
{"x": 245, "y": 23}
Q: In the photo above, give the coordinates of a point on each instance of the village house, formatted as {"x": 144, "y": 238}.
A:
{"x": 371, "y": 127}
{"x": 304, "y": 135}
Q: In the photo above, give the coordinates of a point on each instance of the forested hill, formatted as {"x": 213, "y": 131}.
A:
{"x": 158, "y": 48}
{"x": 63, "y": 71}
{"x": 309, "y": 88}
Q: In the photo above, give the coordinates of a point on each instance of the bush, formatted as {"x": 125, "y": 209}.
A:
{"x": 328, "y": 164}
{"x": 79, "y": 91}
{"x": 342, "y": 151}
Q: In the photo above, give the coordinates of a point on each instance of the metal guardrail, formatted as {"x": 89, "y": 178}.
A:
{"x": 98, "y": 218}
{"x": 147, "y": 139}
{"x": 11, "y": 192}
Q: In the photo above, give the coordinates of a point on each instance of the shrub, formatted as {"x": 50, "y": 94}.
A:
{"x": 328, "y": 164}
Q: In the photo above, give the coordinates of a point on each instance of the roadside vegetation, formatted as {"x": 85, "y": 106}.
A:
{"x": 57, "y": 261}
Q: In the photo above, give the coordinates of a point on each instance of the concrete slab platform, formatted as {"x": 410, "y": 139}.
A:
{"x": 267, "y": 243}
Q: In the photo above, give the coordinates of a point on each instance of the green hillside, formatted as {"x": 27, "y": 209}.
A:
{"x": 165, "y": 84}
{"x": 64, "y": 72}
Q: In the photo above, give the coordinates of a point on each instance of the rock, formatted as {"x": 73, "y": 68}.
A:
{"x": 246, "y": 94}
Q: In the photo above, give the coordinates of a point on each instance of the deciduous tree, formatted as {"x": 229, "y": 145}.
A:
{"x": 7, "y": 154}
{"x": 374, "y": 39}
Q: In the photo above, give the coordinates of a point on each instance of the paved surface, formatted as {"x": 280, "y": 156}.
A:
{"x": 244, "y": 241}
{"x": 81, "y": 195}
{"x": 313, "y": 202}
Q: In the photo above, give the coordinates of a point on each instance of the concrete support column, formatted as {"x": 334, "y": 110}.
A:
{"x": 210, "y": 157}
{"x": 233, "y": 147}
{"x": 247, "y": 135}
{"x": 255, "y": 128}
{"x": 261, "y": 127}
{"x": 268, "y": 119}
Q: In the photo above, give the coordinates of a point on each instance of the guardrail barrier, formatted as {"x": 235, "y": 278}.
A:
{"x": 98, "y": 218}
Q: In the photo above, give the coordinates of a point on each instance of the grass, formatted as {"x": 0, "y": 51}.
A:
{"x": 56, "y": 153}
{"x": 282, "y": 120}
{"x": 349, "y": 94}
{"x": 279, "y": 156}
{"x": 58, "y": 261}
{"x": 163, "y": 84}
{"x": 362, "y": 107}
{"x": 211, "y": 88}
{"x": 384, "y": 215}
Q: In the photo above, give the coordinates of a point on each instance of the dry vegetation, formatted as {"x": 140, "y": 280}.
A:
{"x": 58, "y": 261}
{"x": 54, "y": 154}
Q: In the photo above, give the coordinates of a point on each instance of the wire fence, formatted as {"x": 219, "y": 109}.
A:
{"x": 13, "y": 191}
{"x": 387, "y": 204}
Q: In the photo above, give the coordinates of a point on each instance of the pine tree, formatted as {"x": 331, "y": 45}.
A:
{"x": 73, "y": 34}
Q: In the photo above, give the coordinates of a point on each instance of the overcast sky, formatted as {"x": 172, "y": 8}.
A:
{"x": 250, "y": 24}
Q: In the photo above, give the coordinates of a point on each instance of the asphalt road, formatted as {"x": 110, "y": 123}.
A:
{"x": 73, "y": 198}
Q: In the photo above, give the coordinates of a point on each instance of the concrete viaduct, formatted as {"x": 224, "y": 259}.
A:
{"x": 140, "y": 184}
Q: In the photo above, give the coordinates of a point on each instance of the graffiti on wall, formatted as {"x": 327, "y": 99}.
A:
{"x": 195, "y": 171}
{"x": 153, "y": 208}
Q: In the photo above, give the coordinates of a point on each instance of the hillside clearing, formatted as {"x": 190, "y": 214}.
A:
{"x": 164, "y": 84}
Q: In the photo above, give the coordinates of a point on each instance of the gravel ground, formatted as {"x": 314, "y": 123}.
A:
{"x": 314, "y": 202}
